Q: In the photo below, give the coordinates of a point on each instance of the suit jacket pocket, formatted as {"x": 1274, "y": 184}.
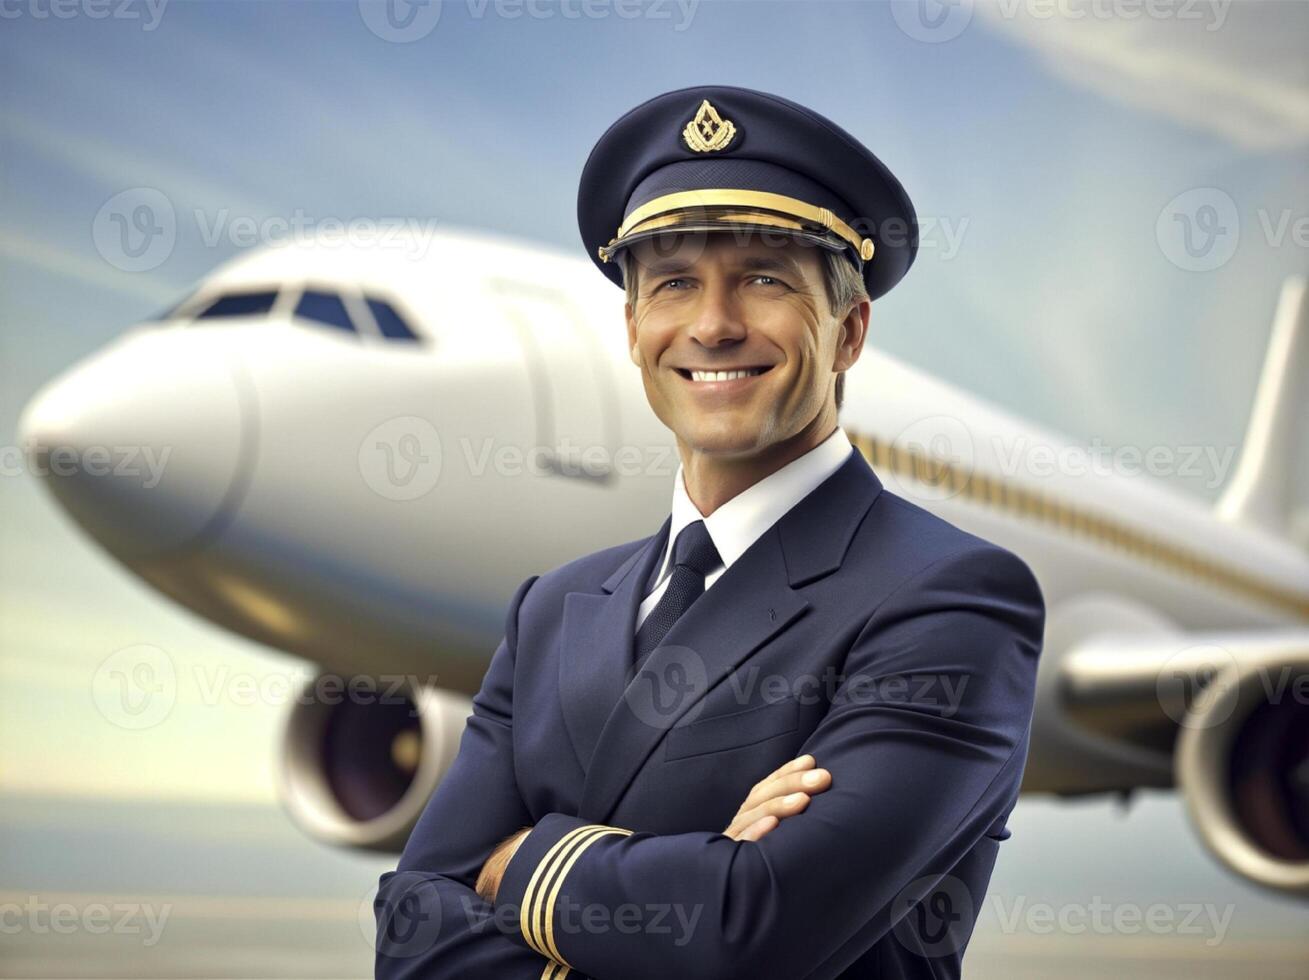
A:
{"x": 741, "y": 728}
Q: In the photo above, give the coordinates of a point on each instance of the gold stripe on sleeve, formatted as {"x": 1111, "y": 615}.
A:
{"x": 554, "y": 889}
{"x": 554, "y": 971}
{"x": 541, "y": 918}
{"x": 524, "y": 913}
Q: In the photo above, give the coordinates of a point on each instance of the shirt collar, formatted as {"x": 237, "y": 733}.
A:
{"x": 737, "y": 524}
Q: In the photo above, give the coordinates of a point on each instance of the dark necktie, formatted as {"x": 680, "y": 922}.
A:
{"x": 694, "y": 557}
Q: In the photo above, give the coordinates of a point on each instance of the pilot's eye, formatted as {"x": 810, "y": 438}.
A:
{"x": 673, "y": 284}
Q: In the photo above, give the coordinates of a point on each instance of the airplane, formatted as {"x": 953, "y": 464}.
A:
{"x": 364, "y": 448}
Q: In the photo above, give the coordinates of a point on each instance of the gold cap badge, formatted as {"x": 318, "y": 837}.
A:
{"x": 708, "y": 131}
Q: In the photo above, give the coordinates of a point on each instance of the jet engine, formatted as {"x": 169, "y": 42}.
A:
{"x": 359, "y": 765}
{"x": 1242, "y": 765}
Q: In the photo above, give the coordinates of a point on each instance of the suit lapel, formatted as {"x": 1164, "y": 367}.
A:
{"x": 598, "y": 640}
{"x": 615, "y": 725}
{"x": 749, "y": 604}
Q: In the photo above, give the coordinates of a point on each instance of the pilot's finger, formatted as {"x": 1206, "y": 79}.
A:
{"x": 759, "y": 828}
{"x": 800, "y": 781}
{"x": 795, "y": 765}
{"x": 740, "y": 830}
{"x": 779, "y": 807}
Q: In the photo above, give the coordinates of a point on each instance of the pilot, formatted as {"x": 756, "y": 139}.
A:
{"x": 780, "y": 736}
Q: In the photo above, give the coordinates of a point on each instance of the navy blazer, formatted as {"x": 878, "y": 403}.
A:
{"x": 898, "y": 649}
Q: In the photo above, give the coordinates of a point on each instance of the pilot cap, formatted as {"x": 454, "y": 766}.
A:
{"x": 718, "y": 158}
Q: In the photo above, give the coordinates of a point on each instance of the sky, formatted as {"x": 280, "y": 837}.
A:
{"x": 1110, "y": 203}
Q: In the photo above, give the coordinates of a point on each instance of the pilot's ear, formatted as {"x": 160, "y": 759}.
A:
{"x": 631, "y": 334}
{"x": 853, "y": 333}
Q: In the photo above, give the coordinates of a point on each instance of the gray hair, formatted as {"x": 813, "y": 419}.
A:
{"x": 841, "y": 280}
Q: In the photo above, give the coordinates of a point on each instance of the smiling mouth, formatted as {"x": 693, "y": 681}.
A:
{"x": 707, "y": 376}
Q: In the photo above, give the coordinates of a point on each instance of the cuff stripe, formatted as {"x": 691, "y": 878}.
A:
{"x": 525, "y": 924}
{"x": 536, "y": 917}
{"x": 542, "y": 909}
{"x": 554, "y": 971}
{"x": 563, "y": 864}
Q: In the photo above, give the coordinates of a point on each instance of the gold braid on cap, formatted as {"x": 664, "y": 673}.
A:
{"x": 703, "y": 209}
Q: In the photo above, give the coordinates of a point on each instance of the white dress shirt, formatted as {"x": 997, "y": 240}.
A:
{"x": 737, "y": 524}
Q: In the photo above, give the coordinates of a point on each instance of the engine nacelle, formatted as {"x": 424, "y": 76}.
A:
{"x": 1242, "y": 764}
{"x": 358, "y": 766}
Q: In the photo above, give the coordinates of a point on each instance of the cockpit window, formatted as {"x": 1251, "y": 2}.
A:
{"x": 391, "y": 323}
{"x": 239, "y": 304}
{"x": 325, "y": 308}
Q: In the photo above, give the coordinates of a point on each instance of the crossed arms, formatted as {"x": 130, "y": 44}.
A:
{"x": 914, "y": 783}
{"x": 783, "y": 793}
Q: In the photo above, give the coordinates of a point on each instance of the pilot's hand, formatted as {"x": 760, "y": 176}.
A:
{"x": 493, "y": 868}
{"x": 782, "y": 793}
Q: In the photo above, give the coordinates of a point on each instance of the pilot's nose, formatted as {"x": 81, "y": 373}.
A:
{"x": 717, "y": 318}
{"x": 142, "y": 442}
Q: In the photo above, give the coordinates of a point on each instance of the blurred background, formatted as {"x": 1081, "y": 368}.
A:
{"x": 1045, "y": 145}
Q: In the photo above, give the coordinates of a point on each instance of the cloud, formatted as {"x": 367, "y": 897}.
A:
{"x": 116, "y": 168}
{"x": 62, "y": 262}
{"x": 1236, "y": 70}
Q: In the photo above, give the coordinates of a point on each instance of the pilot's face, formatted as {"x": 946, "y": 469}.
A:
{"x": 713, "y": 302}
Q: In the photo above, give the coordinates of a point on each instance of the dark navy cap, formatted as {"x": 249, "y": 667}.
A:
{"x": 719, "y": 158}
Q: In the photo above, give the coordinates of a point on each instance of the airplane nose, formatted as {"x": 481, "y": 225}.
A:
{"x": 141, "y": 443}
